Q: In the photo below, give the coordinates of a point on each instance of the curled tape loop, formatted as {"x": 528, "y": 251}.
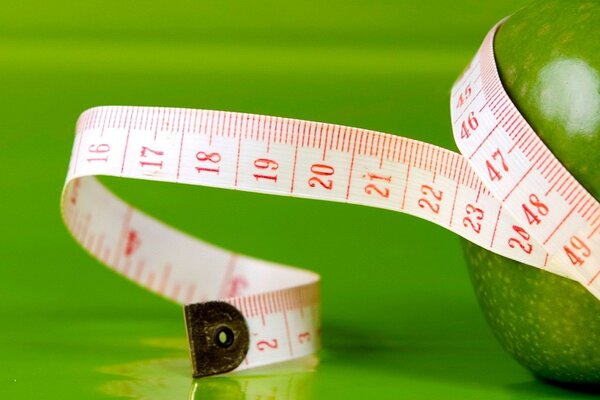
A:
{"x": 506, "y": 193}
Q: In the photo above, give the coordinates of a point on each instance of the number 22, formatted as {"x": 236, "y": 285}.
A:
{"x": 433, "y": 205}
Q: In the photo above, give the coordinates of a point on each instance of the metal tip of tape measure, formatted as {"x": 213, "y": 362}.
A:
{"x": 218, "y": 337}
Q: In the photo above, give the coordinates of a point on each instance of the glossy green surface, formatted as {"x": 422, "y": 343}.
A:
{"x": 548, "y": 55}
{"x": 400, "y": 318}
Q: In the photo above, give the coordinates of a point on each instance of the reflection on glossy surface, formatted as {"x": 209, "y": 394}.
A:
{"x": 166, "y": 378}
{"x": 170, "y": 378}
{"x": 286, "y": 381}
{"x": 568, "y": 94}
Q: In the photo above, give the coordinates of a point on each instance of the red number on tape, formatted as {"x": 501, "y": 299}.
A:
{"x": 214, "y": 158}
{"x": 433, "y": 205}
{"x": 577, "y": 251}
{"x": 477, "y": 214}
{"x": 321, "y": 170}
{"x": 263, "y": 344}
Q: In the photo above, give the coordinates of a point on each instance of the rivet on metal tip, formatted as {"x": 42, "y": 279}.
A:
{"x": 218, "y": 337}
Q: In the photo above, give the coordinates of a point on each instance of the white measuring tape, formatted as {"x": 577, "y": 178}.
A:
{"x": 506, "y": 192}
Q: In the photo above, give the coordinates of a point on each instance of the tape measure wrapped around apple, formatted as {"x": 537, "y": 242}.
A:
{"x": 506, "y": 193}
{"x": 548, "y": 56}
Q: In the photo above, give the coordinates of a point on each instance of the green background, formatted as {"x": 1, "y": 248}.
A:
{"x": 399, "y": 317}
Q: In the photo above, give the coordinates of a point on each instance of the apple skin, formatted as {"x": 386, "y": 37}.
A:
{"x": 548, "y": 57}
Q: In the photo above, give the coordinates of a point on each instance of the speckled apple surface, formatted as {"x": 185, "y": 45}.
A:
{"x": 548, "y": 56}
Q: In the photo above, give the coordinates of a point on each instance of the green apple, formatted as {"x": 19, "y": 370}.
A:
{"x": 548, "y": 56}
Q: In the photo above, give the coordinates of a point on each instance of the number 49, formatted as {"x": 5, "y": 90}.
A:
{"x": 577, "y": 251}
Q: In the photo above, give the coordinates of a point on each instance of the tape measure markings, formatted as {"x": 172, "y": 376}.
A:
{"x": 260, "y": 305}
{"x": 148, "y": 278}
{"x": 406, "y": 150}
{"x": 329, "y": 162}
{"x": 411, "y": 153}
{"x": 531, "y": 164}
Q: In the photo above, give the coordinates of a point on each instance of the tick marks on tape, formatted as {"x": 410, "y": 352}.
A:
{"x": 507, "y": 193}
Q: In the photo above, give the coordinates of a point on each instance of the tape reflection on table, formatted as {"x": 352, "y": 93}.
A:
{"x": 168, "y": 378}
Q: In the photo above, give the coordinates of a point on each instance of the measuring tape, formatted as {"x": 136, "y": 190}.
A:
{"x": 506, "y": 193}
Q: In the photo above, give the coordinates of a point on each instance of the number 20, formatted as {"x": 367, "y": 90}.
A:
{"x": 321, "y": 170}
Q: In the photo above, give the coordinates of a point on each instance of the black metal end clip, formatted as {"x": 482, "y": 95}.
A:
{"x": 218, "y": 337}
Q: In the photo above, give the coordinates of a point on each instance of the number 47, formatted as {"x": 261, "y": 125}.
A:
{"x": 496, "y": 165}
